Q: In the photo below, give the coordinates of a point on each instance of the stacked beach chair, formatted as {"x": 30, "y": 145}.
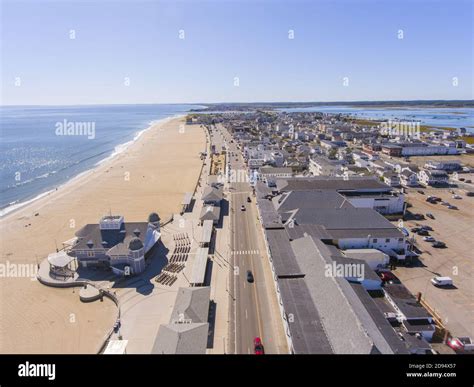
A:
{"x": 177, "y": 261}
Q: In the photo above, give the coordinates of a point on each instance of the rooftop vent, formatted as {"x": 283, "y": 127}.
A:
{"x": 90, "y": 243}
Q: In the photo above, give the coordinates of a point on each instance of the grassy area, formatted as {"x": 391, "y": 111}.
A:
{"x": 468, "y": 139}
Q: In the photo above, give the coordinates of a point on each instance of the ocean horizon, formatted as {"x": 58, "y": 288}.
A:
{"x": 43, "y": 147}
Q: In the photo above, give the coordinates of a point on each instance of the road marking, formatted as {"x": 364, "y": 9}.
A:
{"x": 246, "y": 315}
{"x": 245, "y": 252}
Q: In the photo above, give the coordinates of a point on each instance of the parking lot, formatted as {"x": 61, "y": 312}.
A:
{"x": 455, "y": 228}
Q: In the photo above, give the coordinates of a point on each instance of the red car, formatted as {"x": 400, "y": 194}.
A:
{"x": 258, "y": 346}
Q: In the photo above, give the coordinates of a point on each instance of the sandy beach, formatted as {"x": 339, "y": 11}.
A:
{"x": 152, "y": 174}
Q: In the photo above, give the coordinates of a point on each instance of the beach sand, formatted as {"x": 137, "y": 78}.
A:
{"x": 152, "y": 174}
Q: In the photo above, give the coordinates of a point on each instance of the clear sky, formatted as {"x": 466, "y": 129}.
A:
{"x": 234, "y": 51}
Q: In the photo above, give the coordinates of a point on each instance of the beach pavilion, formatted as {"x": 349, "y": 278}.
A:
{"x": 61, "y": 265}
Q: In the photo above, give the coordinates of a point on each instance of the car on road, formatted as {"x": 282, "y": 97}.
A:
{"x": 421, "y": 192}
{"x": 388, "y": 276}
{"x": 422, "y": 232}
{"x": 443, "y": 203}
{"x": 415, "y": 229}
{"x": 457, "y": 197}
{"x": 249, "y": 200}
{"x": 250, "y": 276}
{"x": 442, "y": 281}
{"x": 461, "y": 344}
{"x": 242, "y": 208}
{"x": 451, "y": 207}
{"x": 429, "y": 239}
{"x": 428, "y": 228}
{"x": 117, "y": 325}
{"x": 439, "y": 245}
{"x": 430, "y": 215}
{"x": 258, "y": 346}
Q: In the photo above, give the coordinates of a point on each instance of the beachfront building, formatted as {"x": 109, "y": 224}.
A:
{"x": 115, "y": 244}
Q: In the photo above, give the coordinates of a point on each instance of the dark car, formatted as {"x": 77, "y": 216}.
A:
{"x": 427, "y": 228}
{"x": 430, "y": 215}
{"x": 250, "y": 276}
{"x": 248, "y": 199}
{"x": 117, "y": 326}
{"x": 423, "y": 232}
{"x": 258, "y": 346}
{"x": 421, "y": 192}
{"x": 415, "y": 229}
{"x": 439, "y": 245}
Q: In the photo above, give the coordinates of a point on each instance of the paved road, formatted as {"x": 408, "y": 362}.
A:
{"x": 255, "y": 312}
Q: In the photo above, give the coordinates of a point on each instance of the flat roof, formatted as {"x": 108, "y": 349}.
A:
{"x": 206, "y": 231}
{"x": 199, "y": 267}
{"x": 116, "y": 347}
{"x": 331, "y": 183}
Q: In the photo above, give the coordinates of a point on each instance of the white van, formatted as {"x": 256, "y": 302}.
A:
{"x": 442, "y": 281}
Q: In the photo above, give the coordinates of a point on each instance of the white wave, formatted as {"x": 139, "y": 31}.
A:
{"x": 18, "y": 204}
{"x": 117, "y": 150}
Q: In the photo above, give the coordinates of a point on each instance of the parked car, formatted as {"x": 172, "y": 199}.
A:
{"x": 117, "y": 326}
{"x": 428, "y": 228}
{"x": 457, "y": 197}
{"x": 445, "y": 203}
{"x": 451, "y": 207}
{"x": 250, "y": 276}
{"x": 442, "y": 281}
{"x": 248, "y": 199}
{"x": 415, "y": 229}
{"x": 439, "y": 245}
{"x": 421, "y": 192}
{"x": 430, "y": 215}
{"x": 258, "y": 346}
{"x": 242, "y": 208}
{"x": 422, "y": 232}
{"x": 429, "y": 239}
{"x": 418, "y": 216}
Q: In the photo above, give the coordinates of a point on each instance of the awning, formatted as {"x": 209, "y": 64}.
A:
{"x": 206, "y": 231}
{"x": 60, "y": 259}
{"x": 199, "y": 268}
{"x": 188, "y": 196}
{"x": 116, "y": 347}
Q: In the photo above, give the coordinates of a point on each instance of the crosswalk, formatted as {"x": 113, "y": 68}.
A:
{"x": 246, "y": 252}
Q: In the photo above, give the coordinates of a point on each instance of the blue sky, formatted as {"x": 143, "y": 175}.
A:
{"x": 139, "y": 40}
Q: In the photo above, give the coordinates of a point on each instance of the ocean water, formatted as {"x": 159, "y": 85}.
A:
{"x": 44, "y": 147}
{"x": 436, "y": 117}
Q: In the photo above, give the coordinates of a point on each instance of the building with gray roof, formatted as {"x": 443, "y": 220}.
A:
{"x": 115, "y": 244}
{"x": 181, "y": 339}
{"x": 188, "y": 329}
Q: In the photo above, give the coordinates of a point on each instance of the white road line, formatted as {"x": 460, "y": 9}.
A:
{"x": 246, "y": 315}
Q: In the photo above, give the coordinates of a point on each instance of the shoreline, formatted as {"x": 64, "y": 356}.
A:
{"x": 162, "y": 165}
{"x": 118, "y": 149}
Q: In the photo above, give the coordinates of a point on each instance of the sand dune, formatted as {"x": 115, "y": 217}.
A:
{"x": 151, "y": 175}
